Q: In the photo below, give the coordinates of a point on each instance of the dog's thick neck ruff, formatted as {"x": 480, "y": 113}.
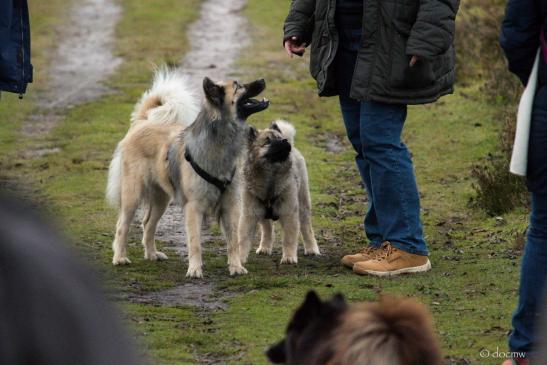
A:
{"x": 222, "y": 185}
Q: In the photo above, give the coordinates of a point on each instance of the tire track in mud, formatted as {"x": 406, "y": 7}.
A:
{"x": 83, "y": 61}
{"x": 216, "y": 41}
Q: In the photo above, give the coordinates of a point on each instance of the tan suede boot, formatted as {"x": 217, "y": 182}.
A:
{"x": 367, "y": 253}
{"x": 393, "y": 262}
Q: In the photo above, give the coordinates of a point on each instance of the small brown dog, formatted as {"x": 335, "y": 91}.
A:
{"x": 275, "y": 186}
{"x": 393, "y": 331}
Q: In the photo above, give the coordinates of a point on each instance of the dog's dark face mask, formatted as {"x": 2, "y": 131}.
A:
{"x": 312, "y": 323}
{"x": 269, "y": 145}
{"x": 278, "y": 151}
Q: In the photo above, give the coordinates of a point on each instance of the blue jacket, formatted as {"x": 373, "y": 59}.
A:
{"x": 15, "y": 66}
{"x": 520, "y": 36}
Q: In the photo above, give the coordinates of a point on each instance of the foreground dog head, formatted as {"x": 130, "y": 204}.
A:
{"x": 269, "y": 145}
{"x": 234, "y": 100}
{"x": 390, "y": 332}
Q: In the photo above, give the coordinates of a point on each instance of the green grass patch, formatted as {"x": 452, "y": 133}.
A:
{"x": 471, "y": 289}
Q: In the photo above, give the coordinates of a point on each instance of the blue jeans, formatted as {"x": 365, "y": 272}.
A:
{"x": 534, "y": 262}
{"x": 384, "y": 162}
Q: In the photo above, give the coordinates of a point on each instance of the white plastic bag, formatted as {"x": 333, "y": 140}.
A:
{"x": 519, "y": 157}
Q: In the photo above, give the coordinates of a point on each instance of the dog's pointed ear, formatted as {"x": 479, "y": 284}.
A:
{"x": 307, "y": 312}
{"x": 213, "y": 92}
{"x": 336, "y": 305}
{"x": 253, "y": 133}
{"x": 277, "y": 353}
{"x": 338, "y": 301}
{"x": 275, "y": 127}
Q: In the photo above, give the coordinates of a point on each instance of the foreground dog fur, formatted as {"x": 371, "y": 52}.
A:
{"x": 159, "y": 158}
{"x": 275, "y": 186}
{"x": 390, "y": 332}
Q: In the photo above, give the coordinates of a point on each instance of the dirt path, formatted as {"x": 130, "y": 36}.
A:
{"x": 82, "y": 62}
{"x": 216, "y": 40}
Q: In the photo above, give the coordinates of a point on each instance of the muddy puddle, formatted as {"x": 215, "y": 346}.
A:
{"x": 202, "y": 295}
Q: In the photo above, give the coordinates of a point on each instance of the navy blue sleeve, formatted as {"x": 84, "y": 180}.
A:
{"x": 6, "y": 11}
{"x": 520, "y": 36}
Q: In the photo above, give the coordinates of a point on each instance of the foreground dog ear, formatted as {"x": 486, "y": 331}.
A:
{"x": 253, "y": 133}
{"x": 214, "y": 93}
{"x": 338, "y": 301}
{"x": 306, "y": 313}
{"x": 277, "y": 353}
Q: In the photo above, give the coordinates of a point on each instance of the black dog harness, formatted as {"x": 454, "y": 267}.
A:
{"x": 220, "y": 184}
{"x": 268, "y": 206}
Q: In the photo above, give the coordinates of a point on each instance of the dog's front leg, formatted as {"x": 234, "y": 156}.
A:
{"x": 291, "y": 229}
{"x": 229, "y": 223}
{"x": 193, "y": 218}
{"x": 247, "y": 230}
{"x": 266, "y": 238}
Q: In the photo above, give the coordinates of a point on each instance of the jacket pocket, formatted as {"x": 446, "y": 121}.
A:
{"x": 402, "y": 76}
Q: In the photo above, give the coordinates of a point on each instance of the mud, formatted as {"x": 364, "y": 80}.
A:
{"x": 334, "y": 144}
{"x": 171, "y": 232}
{"x": 188, "y": 295}
{"x": 85, "y": 55}
{"x": 216, "y": 40}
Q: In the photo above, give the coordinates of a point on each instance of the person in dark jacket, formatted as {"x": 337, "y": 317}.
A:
{"x": 378, "y": 56}
{"x": 15, "y": 66}
{"x": 523, "y": 32}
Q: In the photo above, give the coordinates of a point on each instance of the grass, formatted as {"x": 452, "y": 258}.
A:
{"x": 471, "y": 289}
{"x": 44, "y": 18}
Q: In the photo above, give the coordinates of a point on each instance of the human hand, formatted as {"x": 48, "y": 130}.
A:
{"x": 293, "y": 46}
{"x": 413, "y": 61}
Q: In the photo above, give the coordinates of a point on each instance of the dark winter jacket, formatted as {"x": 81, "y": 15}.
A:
{"x": 393, "y": 31}
{"x": 520, "y": 37}
{"x": 15, "y": 66}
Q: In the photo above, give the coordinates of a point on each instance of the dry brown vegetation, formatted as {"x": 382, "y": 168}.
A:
{"x": 480, "y": 57}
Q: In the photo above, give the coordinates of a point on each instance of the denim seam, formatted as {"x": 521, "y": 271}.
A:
{"x": 400, "y": 186}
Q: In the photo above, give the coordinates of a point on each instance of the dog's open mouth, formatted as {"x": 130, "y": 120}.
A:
{"x": 247, "y": 105}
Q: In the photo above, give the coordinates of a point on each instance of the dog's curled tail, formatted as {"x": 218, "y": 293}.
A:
{"x": 286, "y": 129}
{"x": 113, "y": 187}
{"x": 169, "y": 100}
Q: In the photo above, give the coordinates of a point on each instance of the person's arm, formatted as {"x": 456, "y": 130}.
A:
{"x": 520, "y": 36}
{"x": 433, "y": 32}
{"x": 299, "y": 23}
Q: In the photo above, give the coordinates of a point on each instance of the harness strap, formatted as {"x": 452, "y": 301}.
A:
{"x": 220, "y": 184}
{"x": 268, "y": 205}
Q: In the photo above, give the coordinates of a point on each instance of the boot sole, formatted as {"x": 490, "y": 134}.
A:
{"x": 409, "y": 270}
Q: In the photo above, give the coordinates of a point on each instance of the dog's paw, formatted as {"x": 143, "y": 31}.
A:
{"x": 194, "y": 272}
{"x": 264, "y": 251}
{"x": 119, "y": 261}
{"x": 237, "y": 270}
{"x": 315, "y": 252}
{"x": 289, "y": 260}
{"x": 155, "y": 256}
